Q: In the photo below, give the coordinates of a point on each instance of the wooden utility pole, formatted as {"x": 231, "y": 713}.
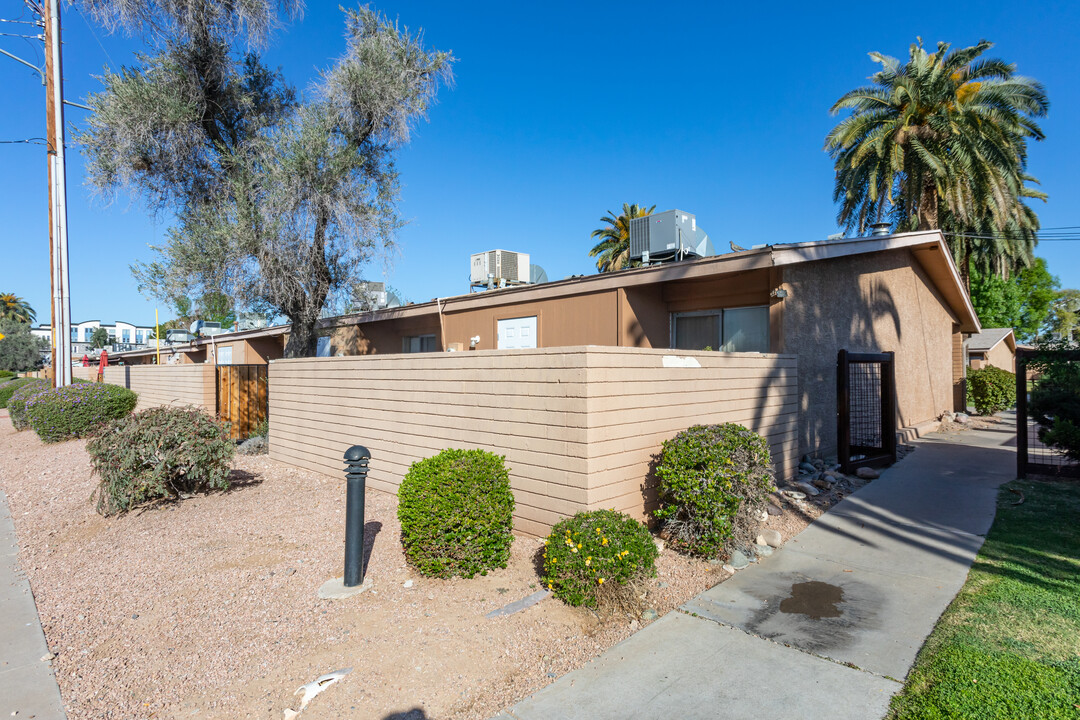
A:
{"x": 50, "y": 156}
{"x": 58, "y": 242}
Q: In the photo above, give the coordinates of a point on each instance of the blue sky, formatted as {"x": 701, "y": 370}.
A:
{"x": 560, "y": 112}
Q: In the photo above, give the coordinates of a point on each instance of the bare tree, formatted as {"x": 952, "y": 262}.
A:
{"x": 279, "y": 199}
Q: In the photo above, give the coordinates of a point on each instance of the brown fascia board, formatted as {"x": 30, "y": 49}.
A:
{"x": 706, "y": 267}
{"x": 221, "y": 337}
{"x": 928, "y": 247}
{"x": 930, "y": 252}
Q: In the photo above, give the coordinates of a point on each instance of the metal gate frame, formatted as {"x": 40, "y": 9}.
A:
{"x": 1024, "y": 463}
{"x": 872, "y": 456}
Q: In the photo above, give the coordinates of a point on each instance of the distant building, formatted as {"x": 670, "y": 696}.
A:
{"x": 123, "y": 336}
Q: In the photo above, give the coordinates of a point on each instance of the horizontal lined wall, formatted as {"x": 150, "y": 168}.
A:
{"x": 635, "y": 404}
{"x": 161, "y": 384}
{"x": 577, "y": 425}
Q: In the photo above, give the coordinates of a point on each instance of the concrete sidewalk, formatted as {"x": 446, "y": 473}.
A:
{"x": 27, "y": 684}
{"x": 827, "y": 627}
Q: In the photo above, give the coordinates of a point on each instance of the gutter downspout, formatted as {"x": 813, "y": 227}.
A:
{"x": 442, "y": 331}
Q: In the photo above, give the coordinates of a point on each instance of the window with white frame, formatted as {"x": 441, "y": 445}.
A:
{"x": 125, "y": 336}
{"x": 418, "y": 343}
{"x": 728, "y": 330}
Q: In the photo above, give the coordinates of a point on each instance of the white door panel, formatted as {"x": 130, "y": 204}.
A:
{"x": 517, "y": 333}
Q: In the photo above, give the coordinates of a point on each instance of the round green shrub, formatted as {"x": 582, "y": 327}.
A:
{"x": 992, "y": 389}
{"x": 8, "y": 388}
{"x": 158, "y": 454}
{"x": 713, "y": 481}
{"x": 76, "y": 410}
{"x": 598, "y": 559}
{"x": 16, "y": 404}
{"x": 456, "y": 512}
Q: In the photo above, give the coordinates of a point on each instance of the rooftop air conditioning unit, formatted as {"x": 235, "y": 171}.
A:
{"x": 250, "y": 321}
{"x": 503, "y": 267}
{"x": 369, "y": 295}
{"x": 668, "y": 235}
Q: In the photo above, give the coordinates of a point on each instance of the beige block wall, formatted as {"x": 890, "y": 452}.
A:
{"x": 877, "y": 303}
{"x": 159, "y": 385}
{"x": 578, "y": 426}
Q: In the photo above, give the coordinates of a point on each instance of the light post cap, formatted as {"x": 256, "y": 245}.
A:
{"x": 357, "y": 453}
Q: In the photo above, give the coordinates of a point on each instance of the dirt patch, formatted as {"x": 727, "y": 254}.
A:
{"x": 208, "y": 608}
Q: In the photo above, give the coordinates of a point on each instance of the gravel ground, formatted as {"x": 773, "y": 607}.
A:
{"x": 208, "y": 608}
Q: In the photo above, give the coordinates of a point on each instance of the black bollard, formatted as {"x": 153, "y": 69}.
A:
{"x": 356, "y": 461}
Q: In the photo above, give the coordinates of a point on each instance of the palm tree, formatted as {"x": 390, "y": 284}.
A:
{"x": 941, "y": 142}
{"x": 15, "y": 308}
{"x": 613, "y": 251}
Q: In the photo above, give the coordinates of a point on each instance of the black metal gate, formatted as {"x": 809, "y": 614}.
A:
{"x": 865, "y": 410}
{"x": 1032, "y": 456}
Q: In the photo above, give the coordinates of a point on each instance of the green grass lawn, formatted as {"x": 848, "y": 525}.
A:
{"x": 1009, "y": 644}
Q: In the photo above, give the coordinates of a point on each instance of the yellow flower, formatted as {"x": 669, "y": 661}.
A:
{"x": 549, "y": 586}
{"x": 588, "y": 561}
{"x": 597, "y": 531}
{"x": 603, "y": 541}
{"x": 599, "y": 581}
{"x": 579, "y": 546}
{"x": 573, "y": 549}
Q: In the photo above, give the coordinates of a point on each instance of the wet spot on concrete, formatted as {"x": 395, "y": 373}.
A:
{"x": 814, "y": 599}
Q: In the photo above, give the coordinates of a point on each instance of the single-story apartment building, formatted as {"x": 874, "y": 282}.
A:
{"x": 900, "y": 293}
{"x": 245, "y": 347}
{"x": 992, "y": 346}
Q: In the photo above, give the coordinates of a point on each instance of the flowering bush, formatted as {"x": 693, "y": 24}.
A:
{"x": 160, "y": 453}
{"x": 599, "y": 558}
{"x": 75, "y": 410}
{"x": 8, "y": 388}
{"x": 713, "y": 479}
{"x": 16, "y": 404}
{"x": 456, "y": 512}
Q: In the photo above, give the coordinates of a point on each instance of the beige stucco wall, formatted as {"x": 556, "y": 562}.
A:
{"x": 877, "y": 303}
{"x": 1002, "y": 356}
{"x": 579, "y": 426}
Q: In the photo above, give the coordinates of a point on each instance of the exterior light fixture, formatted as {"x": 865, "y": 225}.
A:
{"x": 778, "y": 293}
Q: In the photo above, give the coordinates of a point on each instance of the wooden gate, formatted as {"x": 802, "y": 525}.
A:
{"x": 242, "y": 397}
{"x": 865, "y": 410}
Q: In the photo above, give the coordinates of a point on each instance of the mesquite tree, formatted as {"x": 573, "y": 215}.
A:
{"x": 279, "y": 198}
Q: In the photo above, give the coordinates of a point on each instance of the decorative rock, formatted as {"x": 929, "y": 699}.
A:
{"x": 868, "y": 473}
{"x": 770, "y": 537}
{"x": 819, "y": 464}
{"x": 947, "y": 416}
{"x": 795, "y": 494}
{"x": 253, "y": 446}
{"x": 962, "y": 418}
{"x": 807, "y": 488}
{"x": 763, "y": 550}
{"x": 407, "y": 584}
{"x": 662, "y": 585}
{"x": 763, "y": 516}
{"x": 728, "y": 569}
{"x": 649, "y": 614}
{"x": 773, "y": 509}
{"x": 659, "y": 544}
{"x": 738, "y": 560}
{"x": 824, "y": 482}
{"x": 807, "y": 468}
